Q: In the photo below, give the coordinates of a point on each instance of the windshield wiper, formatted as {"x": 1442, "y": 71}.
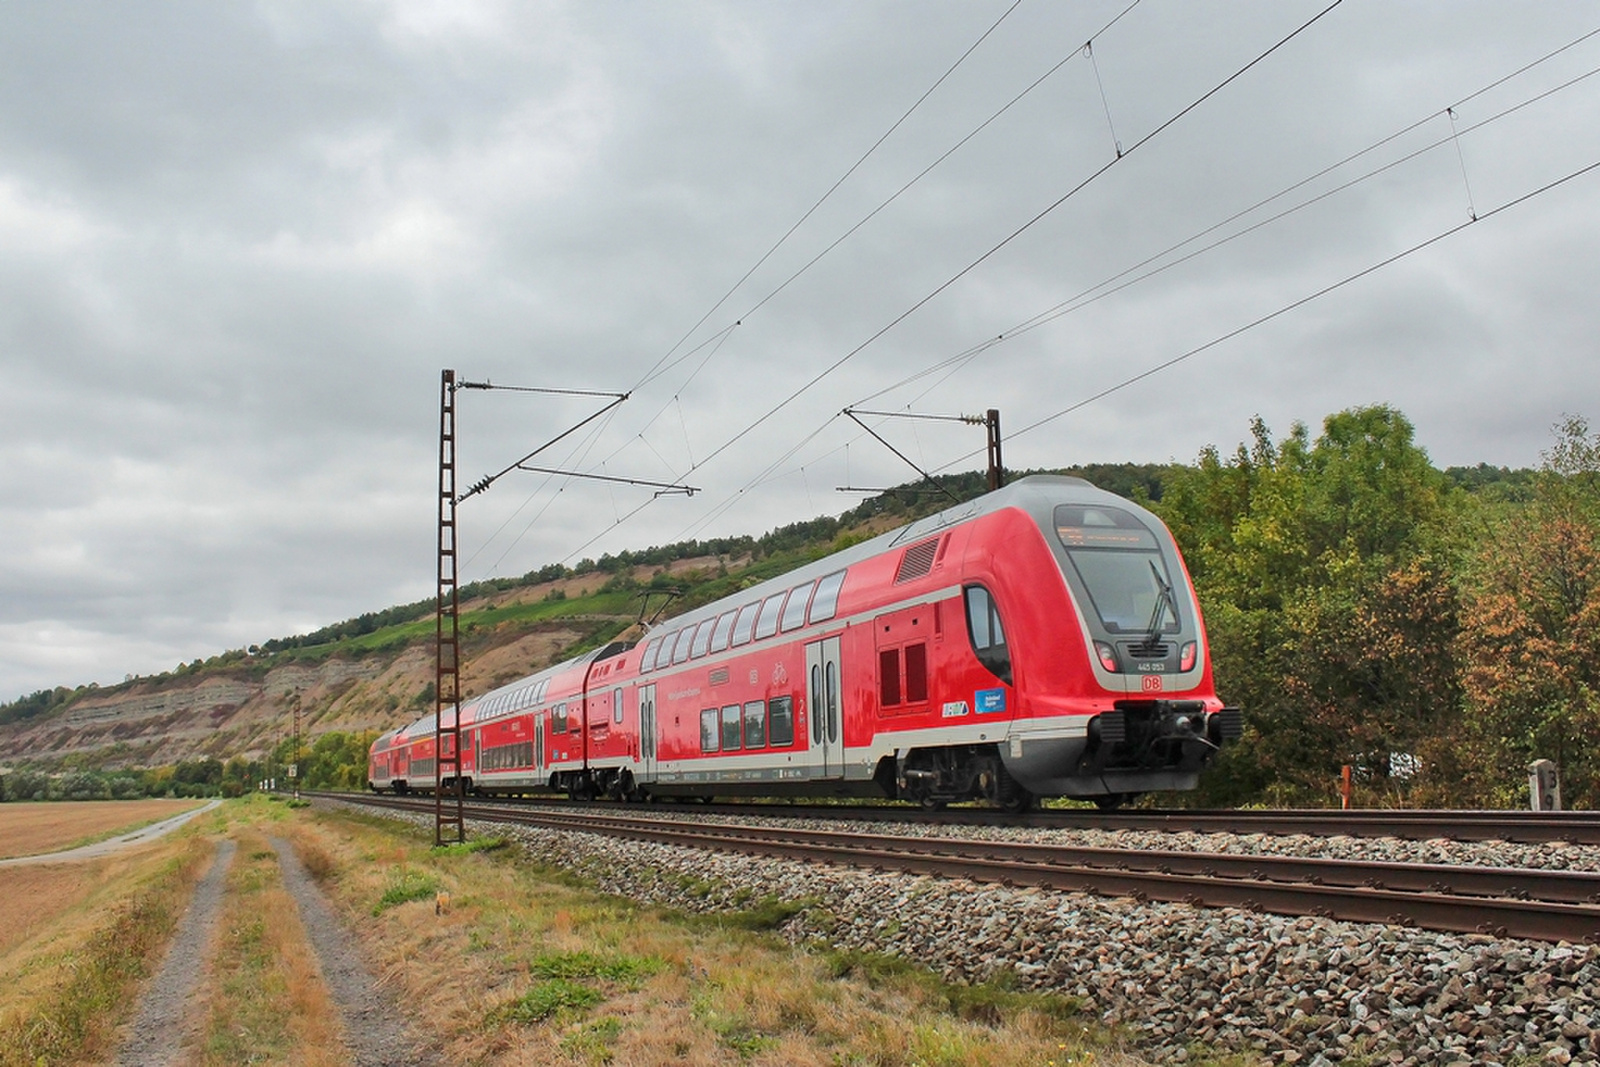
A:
{"x": 1164, "y": 601}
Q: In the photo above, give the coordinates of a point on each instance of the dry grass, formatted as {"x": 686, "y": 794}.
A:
{"x": 66, "y": 983}
{"x": 267, "y": 1001}
{"x": 545, "y": 971}
{"x": 27, "y": 829}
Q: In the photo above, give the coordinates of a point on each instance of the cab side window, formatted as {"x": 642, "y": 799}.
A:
{"x": 987, "y": 634}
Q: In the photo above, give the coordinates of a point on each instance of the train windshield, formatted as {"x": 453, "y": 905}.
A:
{"x": 1120, "y": 562}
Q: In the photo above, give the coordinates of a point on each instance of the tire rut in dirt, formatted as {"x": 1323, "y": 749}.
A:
{"x": 374, "y": 1028}
{"x": 156, "y": 1036}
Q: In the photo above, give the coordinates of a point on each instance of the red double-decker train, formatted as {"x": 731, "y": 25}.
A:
{"x": 1041, "y": 640}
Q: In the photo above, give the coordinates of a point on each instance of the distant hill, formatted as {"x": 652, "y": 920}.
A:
{"x": 375, "y": 671}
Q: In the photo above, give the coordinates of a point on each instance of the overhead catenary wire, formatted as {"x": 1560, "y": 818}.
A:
{"x": 833, "y": 188}
{"x": 1287, "y": 308}
{"x": 1108, "y": 286}
{"x": 992, "y": 250}
{"x": 990, "y": 342}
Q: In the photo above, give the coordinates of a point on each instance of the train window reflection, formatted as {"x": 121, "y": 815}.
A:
{"x": 780, "y": 722}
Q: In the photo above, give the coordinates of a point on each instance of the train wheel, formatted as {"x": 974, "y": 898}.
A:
{"x": 1017, "y": 801}
{"x": 1111, "y": 801}
{"x": 930, "y": 804}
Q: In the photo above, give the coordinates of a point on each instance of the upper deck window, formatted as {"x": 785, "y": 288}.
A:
{"x": 702, "y": 638}
{"x": 794, "y": 612}
{"x": 724, "y": 630}
{"x": 826, "y": 601}
{"x": 767, "y": 625}
{"x": 745, "y": 624}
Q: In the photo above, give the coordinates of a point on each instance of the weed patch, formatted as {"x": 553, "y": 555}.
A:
{"x": 467, "y": 848}
{"x": 768, "y": 913}
{"x": 549, "y": 998}
{"x": 593, "y": 1041}
{"x": 318, "y": 861}
{"x": 987, "y": 1003}
{"x": 573, "y": 966}
{"x": 405, "y": 886}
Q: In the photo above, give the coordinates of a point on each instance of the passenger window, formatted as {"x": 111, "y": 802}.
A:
{"x": 558, "y": 719}
{"x": 710, "y": 734}
{"x": 616, "y": 705}
{"x": 647, "y": 662}
{"x": 780, "y": 722}
{"x": 680, "y": 647}
{"x": 724, "y": 630}
{"x": 730, "y": 728}
{"x": 755, "y": 724}
{"x": 826, "y": 602}
{"x": 744, "y": 624}
{"x": 702, "y": 639}
{"x": 767, "y": 625}
{"x": 794, "y": 613}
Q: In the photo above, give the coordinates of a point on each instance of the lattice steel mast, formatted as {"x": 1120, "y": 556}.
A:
{"x": 449, "y": 824}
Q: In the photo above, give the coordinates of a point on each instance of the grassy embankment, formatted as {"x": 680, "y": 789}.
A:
{"x": 544, "y": 969}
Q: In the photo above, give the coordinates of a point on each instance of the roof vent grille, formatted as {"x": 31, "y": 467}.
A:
{"x": 917, "y": 560}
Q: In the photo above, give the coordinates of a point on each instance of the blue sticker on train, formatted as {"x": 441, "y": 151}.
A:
{"x": 989, "y": 701}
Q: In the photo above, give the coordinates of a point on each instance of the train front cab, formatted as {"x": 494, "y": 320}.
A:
{"x": 1114, "y": 693}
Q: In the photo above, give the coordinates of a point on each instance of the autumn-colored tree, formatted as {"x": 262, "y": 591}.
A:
{"x": 1530, "y": 637}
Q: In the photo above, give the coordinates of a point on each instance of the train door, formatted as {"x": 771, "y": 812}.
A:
{"x": 538, "y": 742}
{"x": 822, "y": 706}
{"x": 647, "y": 732}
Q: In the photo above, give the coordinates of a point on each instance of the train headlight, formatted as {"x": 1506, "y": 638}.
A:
{"x": 1107, "y": 656}
{"x": 1186, "y": 658}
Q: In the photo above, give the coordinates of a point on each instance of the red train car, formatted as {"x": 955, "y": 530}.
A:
{"x": 1042, "y": 640}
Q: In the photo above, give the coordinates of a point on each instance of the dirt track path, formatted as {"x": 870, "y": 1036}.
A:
{"x": 375, "y": 1030}
{"x": 157, "y": 1032}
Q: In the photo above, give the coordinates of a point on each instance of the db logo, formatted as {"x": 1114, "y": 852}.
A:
{"x": 1151, "y": 683}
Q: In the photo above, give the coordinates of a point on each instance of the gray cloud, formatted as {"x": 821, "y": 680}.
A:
{"x": 237, "y": 244}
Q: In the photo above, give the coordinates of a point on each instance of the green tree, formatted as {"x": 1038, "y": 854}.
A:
{"x": 1329, "y": 621}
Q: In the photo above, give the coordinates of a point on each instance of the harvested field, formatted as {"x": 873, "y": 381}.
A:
{"x": 27, "y": 829}
{"x": 36, "y": 896}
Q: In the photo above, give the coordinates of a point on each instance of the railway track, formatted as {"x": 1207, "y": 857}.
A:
{"x": 1526, "y": 827}
{"x": 1505, "y": 902}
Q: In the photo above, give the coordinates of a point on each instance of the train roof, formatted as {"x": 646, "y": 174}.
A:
{"x": 1037, "y": 495}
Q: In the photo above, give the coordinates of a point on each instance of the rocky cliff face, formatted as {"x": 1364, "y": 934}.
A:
{"x": 248, "y": 706}
{"x": 245, "y": 710}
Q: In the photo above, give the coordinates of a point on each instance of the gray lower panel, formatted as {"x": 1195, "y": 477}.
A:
{"x": 1048, "y": 766}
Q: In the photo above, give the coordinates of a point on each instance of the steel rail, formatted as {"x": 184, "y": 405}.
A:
{"x": 1526, "y": 827}
{"x": 1439, "y": 897}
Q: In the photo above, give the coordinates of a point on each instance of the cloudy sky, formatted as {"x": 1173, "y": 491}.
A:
{"x": 239, "y": 242}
